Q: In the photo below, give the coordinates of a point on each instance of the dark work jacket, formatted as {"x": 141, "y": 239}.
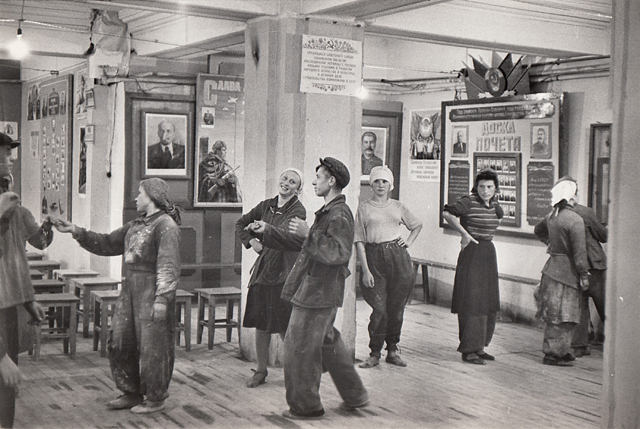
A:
{"x": 596, "y": 233}
{"x": 280, "y": 247}
{"x": 151, "y": 249}
{"x": 317, "y": 278}
{"x": 566, "y": 246}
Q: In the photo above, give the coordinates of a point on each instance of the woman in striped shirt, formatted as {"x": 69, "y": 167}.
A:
{"x": 476, "y": 297}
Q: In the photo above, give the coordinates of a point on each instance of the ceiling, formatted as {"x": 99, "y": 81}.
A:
{"x": 58, "y": 32}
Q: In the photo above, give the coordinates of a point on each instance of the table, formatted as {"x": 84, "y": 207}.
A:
{"x": 209, "y": 297}
{"x": 49, "y": 286}
{"x": 34, "y": 256}
{"x": 67, "y": 332}
{"x": 36, "y": 275}
{"x": 183, "y": 299}
{"x": 67, "y": 274}
{"x": 45, "y": 265}
{"x": 103, "y": 305}
{"x": 82, "y": 287}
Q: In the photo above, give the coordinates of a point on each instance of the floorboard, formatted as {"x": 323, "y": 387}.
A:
{"x": 436, "y": 390}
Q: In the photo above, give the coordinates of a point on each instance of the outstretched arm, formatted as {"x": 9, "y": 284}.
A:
{"x": 111, "y": 244}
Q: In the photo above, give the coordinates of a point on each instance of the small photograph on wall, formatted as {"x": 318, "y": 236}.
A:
{"x": 33, "y": 105}
{"x": 373, "y": 146}
{"x": 425, "y": 135}
{"x": 82, "y": 170}
{"x": 541, "y": 141}
{"x": 460, "y": 142}
{"x": 208, "y": 118}
{"x": 163, "y": 145}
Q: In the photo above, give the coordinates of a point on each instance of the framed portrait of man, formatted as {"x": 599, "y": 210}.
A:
{"x": 164, "y": 149}
{"x": 460, "y": 142}
{"x": 373, "y": 145}
{"x": 541, "y": 140}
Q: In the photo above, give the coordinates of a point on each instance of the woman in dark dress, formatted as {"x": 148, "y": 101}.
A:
{"x": 141, "y": 339}
{"x": 265, "y": 229}
{"x": 476, "y": 297}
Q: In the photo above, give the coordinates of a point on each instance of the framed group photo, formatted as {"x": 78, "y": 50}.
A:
{"x": 165, "y": 152}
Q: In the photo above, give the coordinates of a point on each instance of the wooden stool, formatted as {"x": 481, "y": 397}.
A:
{"x": 35, "y": 274}
{"x": 183, "y": 299}
{"x": 209, "y": 298}
{"x": 83, "y": 287}
{"x": 45, "y": 265}
{"x": 425, "y": 278}
{"x": 103, "y": 305}
{"x": 66, "y": 275}
{"x": 48, "y": 286}
{"x": 64, "y": 302}
{"x": 34, "y": 256}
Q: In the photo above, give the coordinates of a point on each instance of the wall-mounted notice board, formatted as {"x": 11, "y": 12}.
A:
{"x": 520, "y": 138}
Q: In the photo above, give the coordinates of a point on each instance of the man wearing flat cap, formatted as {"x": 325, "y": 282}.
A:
{"x": 315, "y": 287}
{"x": 16, "y": 289}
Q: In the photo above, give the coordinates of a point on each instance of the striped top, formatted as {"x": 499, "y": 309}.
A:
{"x": 479, "y": 220}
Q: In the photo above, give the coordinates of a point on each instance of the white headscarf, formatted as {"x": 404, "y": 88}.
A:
{"x": 564, "y": 190}
{"x": 381, "y": 172}
{"x": 299, "y": 173}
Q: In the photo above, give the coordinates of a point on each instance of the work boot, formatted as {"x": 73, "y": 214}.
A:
{"x": 128, "y": 400}
{"x": 148, "y": 407}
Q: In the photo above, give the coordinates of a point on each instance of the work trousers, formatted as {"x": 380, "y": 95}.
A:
{"x": 475, "y": 331}
{"x": 557, "y": 339}
{"x": 8, "y": 331}
{"x": 596, "y": 292}
{"x": 311, "y": 344}
{"x": 392, "y": 270}
{"x": 141, "y": 351}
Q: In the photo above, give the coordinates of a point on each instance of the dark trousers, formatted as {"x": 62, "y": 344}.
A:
{"x": 393, "y": 277}
{"x": 9, "y": 332}
{"x": 475, "y": 331}
{"x": 141, "y": 352}
{"x": 311, "y": 344}
{"x": 596, "y": 292}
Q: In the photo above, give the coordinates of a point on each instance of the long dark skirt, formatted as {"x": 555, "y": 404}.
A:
{"x": 265, "y": 310}
{"x": 475, "y": 289}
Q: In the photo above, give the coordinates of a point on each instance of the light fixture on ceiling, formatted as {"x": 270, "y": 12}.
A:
{"x": 18, "y": 49}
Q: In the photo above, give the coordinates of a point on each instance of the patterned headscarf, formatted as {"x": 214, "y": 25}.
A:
{"x": 158, "y": 190}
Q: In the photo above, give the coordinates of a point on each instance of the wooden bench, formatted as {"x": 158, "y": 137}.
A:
{"x": 62, "y": 303}
{"x": 189, "y": 269}
{"x": 34, "y": 256}
{"x": 82, "y": 287}
{"x": 48, "y": 286}
{"x": 209, "y": 298}
{"x": 183, "y": 300}
{"x": 425, "y": 264}
{"x": 103, "y": 305}
{"x": 45, "y": 265}
{"x": 35, "y": 274}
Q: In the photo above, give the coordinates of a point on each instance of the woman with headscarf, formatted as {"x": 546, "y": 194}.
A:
{"x": 217, "y": 181}
{"x": 387, "y": 271}
{"x": 141, "y": 340}
{"x": 265, "y": 229}
{"x": 564, "y": 275}
{"x": 476, "y": 296}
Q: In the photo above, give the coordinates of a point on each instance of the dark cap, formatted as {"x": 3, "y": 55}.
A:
{"x": 5, "y": 140}
{"x": 337, "y": 169}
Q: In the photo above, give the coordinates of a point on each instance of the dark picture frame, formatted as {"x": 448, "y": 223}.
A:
{"x": 456, "y": 150}
{"x": 380, "y": 152}
{"x": 545, "y": 149}
{"x": 152, "y": 124}
{"x": 599, "y": 170}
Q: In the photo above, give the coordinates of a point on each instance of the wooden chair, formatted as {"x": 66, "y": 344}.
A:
{"x": 209, "y": 298}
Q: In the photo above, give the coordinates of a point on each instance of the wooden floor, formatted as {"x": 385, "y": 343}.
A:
{"x": 437, "y": 390}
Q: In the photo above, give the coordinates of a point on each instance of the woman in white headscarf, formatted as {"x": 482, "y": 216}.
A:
{"x": 564, "y": 275}
{"x": 387, "y": 271}
{"x": 265, "y": 229}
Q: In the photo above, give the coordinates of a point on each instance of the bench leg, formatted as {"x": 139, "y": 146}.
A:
{"x": 211, "y": 322}
{"x": 425, "y": 284}
{"x": 104, "y": 330}
{"x": 72, "y": 332}
{"x": 178, "y": 319}
{"x": 36, "y": 352}
{"x": 97, "y": 324}
{"x": 187, "y": 325}
{"x": 239, "y": 315}
{"x": 200, "y": 319}
{"x": 229, "y": 319}
{"x": 86, "y": 310}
